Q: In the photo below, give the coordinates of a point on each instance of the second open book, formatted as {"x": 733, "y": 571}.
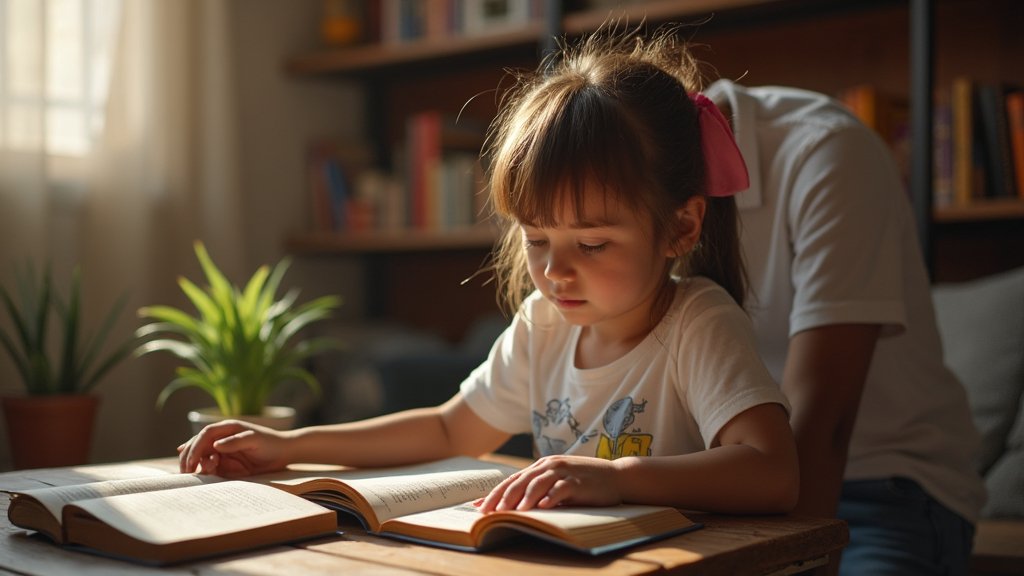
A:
{"x": 428, "y": 503}
{"x": 432, "y": 504}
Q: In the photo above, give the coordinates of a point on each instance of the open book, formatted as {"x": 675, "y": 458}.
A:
{"x": 178, "y": 517}
{"x": 432, "y": 504}
{"x": 168, "y": 519}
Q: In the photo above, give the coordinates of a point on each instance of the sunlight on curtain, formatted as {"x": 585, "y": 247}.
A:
{"x": 118, "y": 149}
{"x": 55, "y": 73}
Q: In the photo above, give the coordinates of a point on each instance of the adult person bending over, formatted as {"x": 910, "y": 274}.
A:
{"x": 844, "y": 320}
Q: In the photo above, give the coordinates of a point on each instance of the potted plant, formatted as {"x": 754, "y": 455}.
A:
{"x": 240, "y": 345}
{"x": 52, "y": 424}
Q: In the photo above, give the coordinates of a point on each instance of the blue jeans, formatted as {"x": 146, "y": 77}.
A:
{"x": 897, "y": 528}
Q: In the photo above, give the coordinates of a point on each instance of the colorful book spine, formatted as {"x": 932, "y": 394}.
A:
{"x": 1015, "y": 119}
{"x": 968, "y": 170}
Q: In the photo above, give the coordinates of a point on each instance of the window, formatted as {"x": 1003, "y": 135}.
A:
{"x": 55, "y": 66}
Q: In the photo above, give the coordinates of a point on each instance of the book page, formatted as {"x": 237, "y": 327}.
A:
{"x": 182, "y": 514}
{"x": 54, "y": 498}
{"x": 458, "y": 518}
{"x": 568, "y": 518}
{"x": 393, "y": 492}
{"x": 43, "y": 477}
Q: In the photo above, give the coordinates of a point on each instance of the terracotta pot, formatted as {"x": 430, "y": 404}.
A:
{"x": 276, "y": 417}
{"x": 47, "y": 431}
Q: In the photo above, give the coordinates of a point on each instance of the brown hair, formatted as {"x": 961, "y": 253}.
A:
{"x": 614, "y": 108}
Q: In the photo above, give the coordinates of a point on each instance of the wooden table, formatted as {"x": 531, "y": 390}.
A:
{"x": 726, "y": 545}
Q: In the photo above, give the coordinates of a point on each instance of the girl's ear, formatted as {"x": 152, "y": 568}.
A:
{"x": 691, "y": 220}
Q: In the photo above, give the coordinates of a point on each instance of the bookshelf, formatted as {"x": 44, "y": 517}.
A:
{"x": 377, "y": 59}
{"x": 981, "y": 211}
{"x": 822, "y": 45}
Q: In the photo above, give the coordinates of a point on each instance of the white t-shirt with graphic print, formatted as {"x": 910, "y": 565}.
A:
{"x": 669, "y": 395}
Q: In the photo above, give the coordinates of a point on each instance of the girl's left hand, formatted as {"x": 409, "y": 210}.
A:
{"x": 555, "y": 480}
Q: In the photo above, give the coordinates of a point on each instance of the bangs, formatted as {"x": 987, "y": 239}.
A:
{"x": 570, "y": 139}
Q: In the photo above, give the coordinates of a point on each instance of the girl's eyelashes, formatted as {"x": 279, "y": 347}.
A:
{"x": 583, "y": 247}
{"x": 591, "y": 248}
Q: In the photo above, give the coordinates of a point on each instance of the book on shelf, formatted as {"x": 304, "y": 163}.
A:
{"x": 432, "y": 504}
{"x": 1015, "y": 120}
{"x": 334, "y": 173}
{"x": 442, "y": 170}
{"x": 180, "y": 517}
{"x": 888, "y": 115}
{"x": 169, "y": 519}
{"x": 942, "y": 150}
{"x": 969, "y": 171}
{"x": 995, "y": 140}
{"x": 418, "y": 20}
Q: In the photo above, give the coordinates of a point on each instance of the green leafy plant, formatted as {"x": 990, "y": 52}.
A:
{"x": 65, "y": 363}
{"x": 242, "y": 343}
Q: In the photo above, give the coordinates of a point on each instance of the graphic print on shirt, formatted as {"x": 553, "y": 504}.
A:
{"x": 616, "y": 442}
{"x": 546, "y": 428}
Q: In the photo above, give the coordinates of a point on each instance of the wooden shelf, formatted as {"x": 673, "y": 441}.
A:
{"x": 651, "y": 11}
{"x": 378, "y": 57}
{"x": 981, "y": 211}
{"x": 478, "y": 237}
{"x": 372, "y": 58}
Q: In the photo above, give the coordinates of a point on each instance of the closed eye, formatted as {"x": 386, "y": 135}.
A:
{"x": 534, "y": 243}
{"x": 592, "y": 248}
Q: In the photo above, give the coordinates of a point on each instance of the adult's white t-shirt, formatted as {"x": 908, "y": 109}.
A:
{"x": 828, "y": 238}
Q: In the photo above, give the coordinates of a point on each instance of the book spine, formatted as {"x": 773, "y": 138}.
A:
{"x": 339, "y": 193}
{"x": 961, "y": 103}
{"x": 995, "y": 140}
{"x": 1015, "y": 119}
{"x": 942, "y": 133}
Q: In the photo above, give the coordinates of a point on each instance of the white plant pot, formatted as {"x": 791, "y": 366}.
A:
{"x": 276, "y": 417}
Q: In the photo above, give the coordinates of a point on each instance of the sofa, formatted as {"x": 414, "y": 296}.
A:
{"x": 981, "y": 323}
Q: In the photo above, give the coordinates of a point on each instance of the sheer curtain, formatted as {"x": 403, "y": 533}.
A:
{"x": 160, "y": 173}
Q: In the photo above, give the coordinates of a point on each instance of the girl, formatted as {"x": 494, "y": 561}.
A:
{"x": 629, "y": 356}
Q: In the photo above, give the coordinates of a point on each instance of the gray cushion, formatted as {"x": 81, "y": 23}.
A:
{"x": 1005, "y": 480}
{"x": 982, "y": 327}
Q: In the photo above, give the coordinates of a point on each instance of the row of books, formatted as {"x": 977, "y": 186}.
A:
{"x": 977, "y": 131}
{"x": 987, "y": 137}
{"x": 396, "y": 21}
{"x": 437, "y": 182}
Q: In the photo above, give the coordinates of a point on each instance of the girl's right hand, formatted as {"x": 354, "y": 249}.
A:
{"x": 232, "y": 448}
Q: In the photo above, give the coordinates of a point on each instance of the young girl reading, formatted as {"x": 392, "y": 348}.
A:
{"x": 629, "y": 357}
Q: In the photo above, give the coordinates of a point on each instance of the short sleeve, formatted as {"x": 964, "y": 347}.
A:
{"x": 722, "y": 369}
{"x": 845, "y": 221}
{"x": 498, "y": 390}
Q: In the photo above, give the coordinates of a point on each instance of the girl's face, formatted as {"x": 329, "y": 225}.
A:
{"x": 604, "y": 271}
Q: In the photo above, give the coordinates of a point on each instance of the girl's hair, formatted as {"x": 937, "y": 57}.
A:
{"x": 613, "y": 109}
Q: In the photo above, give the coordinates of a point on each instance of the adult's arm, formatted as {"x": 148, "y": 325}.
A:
{"x": 824, "y": 377}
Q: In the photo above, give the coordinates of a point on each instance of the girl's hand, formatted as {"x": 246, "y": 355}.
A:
{"x": 232, "y": 448}
{"x": 555, "y": 480}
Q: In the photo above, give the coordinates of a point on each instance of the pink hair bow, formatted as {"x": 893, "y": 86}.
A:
{"x": 723, "y": 163}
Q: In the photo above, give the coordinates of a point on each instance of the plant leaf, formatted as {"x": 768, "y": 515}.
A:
{"x": 17, "y": 356}
{"x": 70, "y": 313}
{"x": 170, "y": 315}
